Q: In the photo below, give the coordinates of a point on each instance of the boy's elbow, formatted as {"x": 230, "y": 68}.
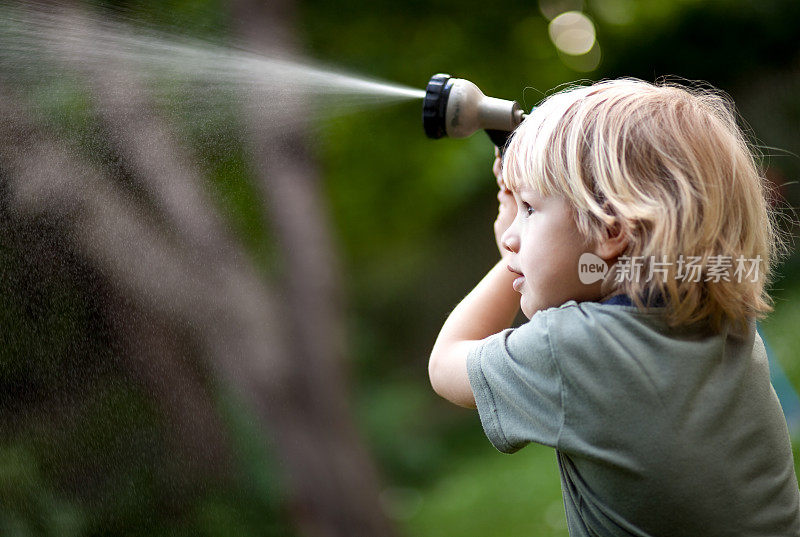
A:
{"x": 434, "y": 376}
{"x": 447, "y": 372}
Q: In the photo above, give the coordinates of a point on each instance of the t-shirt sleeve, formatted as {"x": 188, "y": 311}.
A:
{"x": 517, "y": 386}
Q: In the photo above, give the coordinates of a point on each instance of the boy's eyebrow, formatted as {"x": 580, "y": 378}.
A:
{"x": 530, "y": 194}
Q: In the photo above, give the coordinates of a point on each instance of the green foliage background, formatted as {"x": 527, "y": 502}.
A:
{"x": 413, "y": 221}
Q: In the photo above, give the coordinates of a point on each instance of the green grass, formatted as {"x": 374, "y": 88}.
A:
{"x": 491, "y": 494}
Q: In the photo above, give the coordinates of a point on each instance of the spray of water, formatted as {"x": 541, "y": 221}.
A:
{"x": 39, "y": 43}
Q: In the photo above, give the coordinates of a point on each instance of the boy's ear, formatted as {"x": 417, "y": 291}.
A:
{"x": 613, "y": 245}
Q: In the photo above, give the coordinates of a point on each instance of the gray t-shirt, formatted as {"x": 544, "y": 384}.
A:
{"x": 657, "y": 431}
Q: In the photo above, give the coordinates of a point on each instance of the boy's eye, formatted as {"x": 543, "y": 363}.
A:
{"x": 527, "y": 209}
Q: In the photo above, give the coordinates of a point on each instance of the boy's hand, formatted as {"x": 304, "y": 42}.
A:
{"x": 507, "y": 209}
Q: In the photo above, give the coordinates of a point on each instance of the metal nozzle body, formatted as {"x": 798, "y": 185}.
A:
{"x": 455, "y": 107}
{"x": 469, "y": 110}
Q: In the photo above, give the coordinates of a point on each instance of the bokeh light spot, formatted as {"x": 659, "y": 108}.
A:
{"x": 572, "y": 33}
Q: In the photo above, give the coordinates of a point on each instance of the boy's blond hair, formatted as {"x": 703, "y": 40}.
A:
{"x": 669, "y": 167}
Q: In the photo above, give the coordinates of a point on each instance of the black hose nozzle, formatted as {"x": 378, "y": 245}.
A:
{"x": 457, "y": 108}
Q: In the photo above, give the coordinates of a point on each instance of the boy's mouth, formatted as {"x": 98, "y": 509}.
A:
{"x": 519, "y": 281}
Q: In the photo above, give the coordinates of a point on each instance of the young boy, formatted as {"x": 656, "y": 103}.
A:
{"x": 635, "y": 235}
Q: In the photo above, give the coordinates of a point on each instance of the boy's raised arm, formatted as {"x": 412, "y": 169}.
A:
{"x": 489, "y": 308}
{"x": 486, "y": 310}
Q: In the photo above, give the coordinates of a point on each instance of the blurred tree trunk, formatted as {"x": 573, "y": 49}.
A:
{"x": 335, "y": 485}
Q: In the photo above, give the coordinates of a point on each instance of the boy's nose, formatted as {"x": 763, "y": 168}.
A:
{"x": 510, "y": 241}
